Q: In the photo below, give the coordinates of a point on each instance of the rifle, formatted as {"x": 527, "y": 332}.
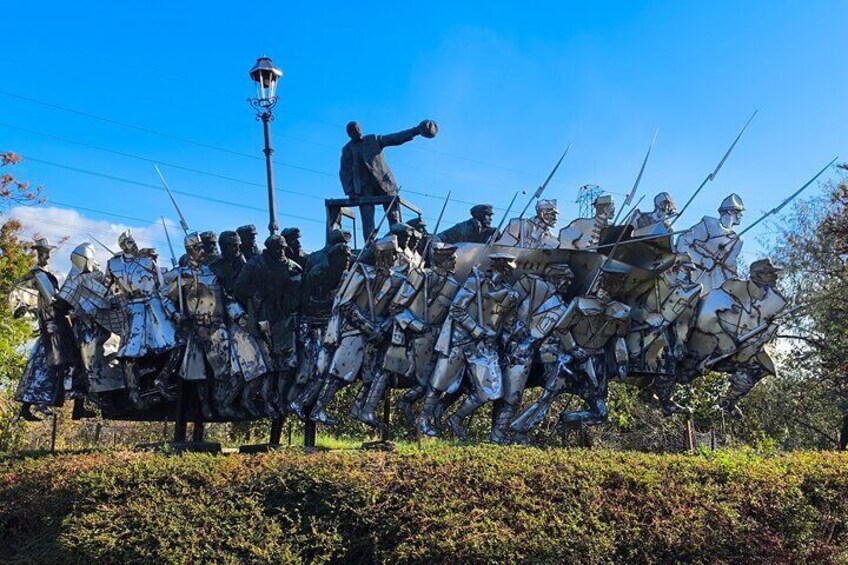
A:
{"x": 429, "y": 246}
{"x": 176, "y": 265}
{"x": 632, "y": 192}
{"x": 491, "y": 239}
{"x": 712, "y": 175}
{"x": 538, "y": 193}
{"x": 183, "y": 222}
{"x": 614, "y": 248}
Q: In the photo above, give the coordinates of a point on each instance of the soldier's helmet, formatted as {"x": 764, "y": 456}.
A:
{"x": 482, "y": 209}
{"x": 443, "y": 251}
{"x": 291, "y": 234}
{"x": 125, "y": 238}
{"x": 82, "y": 257}
{"x": 547, "y": 205}
{"x": 763, "y": 267}
{"x": 246, "y": 230}
{"x": 193, "y": 239}
{"x": 664, "y": 201}
{"x": 387, "y": 244}
{"x": 229, "y": 237}
{"x": 604, "y": 201}
{"x": 419, "y": 224}
{"x": 503, "y": 258}
{"x": 732, "y": 203}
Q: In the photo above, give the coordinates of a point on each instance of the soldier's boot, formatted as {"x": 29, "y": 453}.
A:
{"x": 740, "y": 385}
{"x": 132, "y": 384}
{"x": 447, "y": 400}
{"x": 25, "y": 413}
{"x": 500, "y": 426}
{"x": 248, "y": 397}
{"x": 431, "y": 401}
{"x": 80, "y": 410}
{"x": 163, "y": 379}
{"x": 306, "y": 398}
{"x": 665, "y": 390}
{"x": 595, "y": 415}
{"x": 284, "y": 384}
{"x": 406, "y": 401}
{"x": 534, "y": 414}
{"x": 203, "y": 395}
{"x": 466, "y": 410}
{"x": 328, "y": 391}
{"x": 359, "y": 401}
{"x": 368, "y": 413}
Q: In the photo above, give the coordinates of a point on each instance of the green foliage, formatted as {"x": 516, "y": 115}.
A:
{"x": 469, "y": 505}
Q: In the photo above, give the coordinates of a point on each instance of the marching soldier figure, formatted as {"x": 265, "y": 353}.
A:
{"x": 713, "y": 245}
{"x": 533, "y": 232}
{"x": 55, "y": 356}
{"x": 477, "y": 229}
{"x": 468, "y": 343}
{"x": 539, "y": 298}
{"x": 664, "y": 212}
{"x": 228, "y": 265}
{"x": 210, "y": 246}
{"x": 586, "y": 347}
{"x": 294, "y": 251}
{"x": 583, "y": 233}
{"x": 361, "y": 327}
{"x": 150, "y": 329}
{"x": 421, "y": 306}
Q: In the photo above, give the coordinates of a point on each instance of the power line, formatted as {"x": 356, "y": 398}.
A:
{"x": 204, "y": 145}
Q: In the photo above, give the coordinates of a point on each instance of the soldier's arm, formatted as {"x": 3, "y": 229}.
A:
{"x": 459, "y": 311}
{"x": 399, "y": 138}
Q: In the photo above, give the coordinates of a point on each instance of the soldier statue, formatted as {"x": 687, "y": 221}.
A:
{"x": 320, "y": 285}
{"x": 96, "y": 314}
{"x": 585, "y": 349}
{"x": 536, "y": 232}
{"x": 269, "y": 287}
{"x": 477, "y": 229}
{"x": 733, "y": 325}
{"x": 662, "y": 314}
{"x": 134, "y": 276}
{"x": 713, "y": 245}
{"x": 210, "y": 246}
{"x": 420, "y": 235}
{"x": 364, "y": 171}
{"x": 54, "y": 356}
{"x": 228, "y": 265}
{"x": 468, "y": 343}
{"x": 584, "y": 233}
{"x": 664, "y": 212}
{"x": 420, "y": 307}
{"x": 362, "y": 325}
{"x": 295, "y": 251}
{"x": 539, "y": 299}
{"x": 407, "y": 238}
{"x": 247, "y": 235}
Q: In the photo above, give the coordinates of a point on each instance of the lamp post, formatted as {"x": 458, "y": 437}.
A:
{"x": 266, "y": 75}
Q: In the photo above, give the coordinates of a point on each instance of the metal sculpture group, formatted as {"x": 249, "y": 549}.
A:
{"x": 470, "y": 315}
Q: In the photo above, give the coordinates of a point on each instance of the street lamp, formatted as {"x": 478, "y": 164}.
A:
{"x": 266, "y": 75}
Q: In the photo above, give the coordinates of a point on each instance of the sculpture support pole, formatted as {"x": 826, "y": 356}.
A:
{"x": 273, "y": 227}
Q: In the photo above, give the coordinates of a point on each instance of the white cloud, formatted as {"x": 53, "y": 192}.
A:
{"x": 56, "y": 223}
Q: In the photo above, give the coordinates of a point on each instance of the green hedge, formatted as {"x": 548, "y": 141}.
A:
{"x": 446, "y": 504}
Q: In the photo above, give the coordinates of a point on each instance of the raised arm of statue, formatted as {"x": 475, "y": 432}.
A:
{"x": 399, "y": 138}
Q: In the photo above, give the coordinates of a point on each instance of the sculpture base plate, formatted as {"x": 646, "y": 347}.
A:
{"x": 260, "y": 448}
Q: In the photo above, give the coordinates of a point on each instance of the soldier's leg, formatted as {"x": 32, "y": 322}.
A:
{"x": 515, "y": 379}
{"x": 446, "y": 373}
{"x": 376, "y": 392}
{"x": 595, "y": 396}
{"x": 204, "y": 397}
{"x": 164, "y": 378}
{"x": 664, "y": 386}
{"x": 470, "y": 405}
{"x": 557, "y": 374}
{"x": 25, "y": 413}
{"x": 741, "y": 383}
{"x": 131, "y": 380}
{"x": 331, "y": 386}
{"x": 366, "y": 211}
{"x": 250, "y": 392}
{"x": 268, "y": 385}
{"x": 306, "y": 398}
{"x": 392, "y": 215}
{"x": 406, "y": 401}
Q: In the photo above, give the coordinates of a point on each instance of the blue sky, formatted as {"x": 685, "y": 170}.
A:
{"x": 509, "y": 86}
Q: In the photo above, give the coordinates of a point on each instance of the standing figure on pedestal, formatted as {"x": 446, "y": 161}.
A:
{"x": 364, "y": 171}
{"x": 539, "y": 300}
{"x": 421, "y": 307}
{"x": 210, "y": 246}
{"x": 536, "y": 232}
{"x": 96, "y": 314}
{"x": 468, "y": 343}
{"x": 477, "y": 229}
{"x": 54, "y": 356}
{"x": 247, "y": 235}
{"x": 664, "y": 212}
{"x": 713, "y": 245}
{"x": 586, "y": 349}
{"x": 269, "y": 287}
{"x": 150, "y": 330}
{"x": 294, "y": 251}
{"x": 362, "y": 327}
{"x": 734, "y": 324}
{"x": 583, "y": 233}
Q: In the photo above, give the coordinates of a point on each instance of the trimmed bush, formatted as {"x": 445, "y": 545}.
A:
{"x": 445, "y": 504}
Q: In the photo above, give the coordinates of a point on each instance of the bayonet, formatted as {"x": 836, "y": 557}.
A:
{"x": 710, "y": 177}
{"x": 544, "y": 185}
{"x": 183, "y": 222}
{"x": 176, "y": 265}
{"x": 103, "y": 245}
{"x": 614, "y": 248}
{"x": 427, "y": 251}
{"x": 497, "y": 230}
{"x": 632, "y": 192}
